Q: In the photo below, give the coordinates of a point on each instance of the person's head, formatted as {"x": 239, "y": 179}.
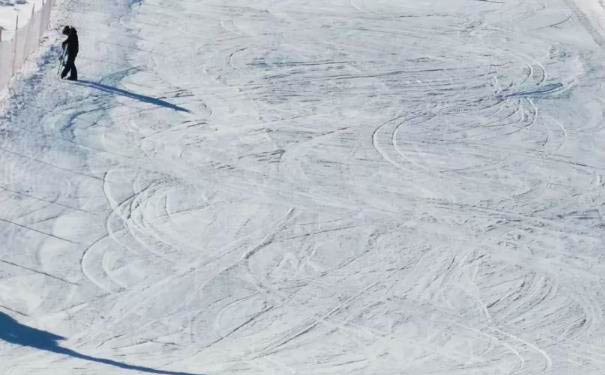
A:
{"x": 66, "y": 30}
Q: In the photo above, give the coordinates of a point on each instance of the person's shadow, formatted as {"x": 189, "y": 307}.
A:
{"x": 132, "y": 95}
{"x": 15, "y": 333}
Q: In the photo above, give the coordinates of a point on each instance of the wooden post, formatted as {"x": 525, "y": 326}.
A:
{"x": 28, "y": 42}
{"x": 15, "y": 41}
{"x": 42, "y": 20}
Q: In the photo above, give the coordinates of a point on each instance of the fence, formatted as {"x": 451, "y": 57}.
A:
{"x": 25, "y": 41}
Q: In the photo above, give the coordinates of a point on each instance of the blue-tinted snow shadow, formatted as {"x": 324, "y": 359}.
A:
{"x": 129, "y": 94}
{"x": 16, "y": 333}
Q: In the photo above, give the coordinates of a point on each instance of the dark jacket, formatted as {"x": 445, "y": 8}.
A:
{"x": 71, "y": 45}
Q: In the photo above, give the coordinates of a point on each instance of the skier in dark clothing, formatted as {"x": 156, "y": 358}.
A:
{"x": 71, "y": 46}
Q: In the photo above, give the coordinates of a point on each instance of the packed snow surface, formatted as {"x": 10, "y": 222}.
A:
{"x": 309, "y": 187}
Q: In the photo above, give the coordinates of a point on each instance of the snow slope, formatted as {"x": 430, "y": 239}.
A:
{"x": 308, "y": 187}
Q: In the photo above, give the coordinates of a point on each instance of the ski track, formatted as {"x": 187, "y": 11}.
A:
{"x": 349, "y": 187}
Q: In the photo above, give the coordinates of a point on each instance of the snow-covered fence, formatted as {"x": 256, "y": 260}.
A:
{"x": 24, "y": 41}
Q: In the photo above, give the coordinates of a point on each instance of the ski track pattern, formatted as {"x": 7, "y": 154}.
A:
{"x": 357, "y": 187}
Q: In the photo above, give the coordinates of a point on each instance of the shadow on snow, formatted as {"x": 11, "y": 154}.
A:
{"x": 13, "y": 332}
{"x": 142, "y": 98}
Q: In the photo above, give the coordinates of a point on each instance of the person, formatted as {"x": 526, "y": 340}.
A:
{"x": 71, "y": 47}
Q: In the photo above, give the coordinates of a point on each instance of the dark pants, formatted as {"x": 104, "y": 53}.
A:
{"x": 70, "y": 67}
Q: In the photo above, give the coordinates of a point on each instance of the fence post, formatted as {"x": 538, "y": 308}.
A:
{"x": 28, "y": 36}
{"x": 30, "y": 31}
{"x": 42, "y": 18}
{"x": 15, "y": 41}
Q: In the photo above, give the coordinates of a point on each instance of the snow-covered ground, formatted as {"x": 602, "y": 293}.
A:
{"x": 309, "y": 187}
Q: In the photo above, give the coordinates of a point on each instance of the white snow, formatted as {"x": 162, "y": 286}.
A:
{"x": 309, "y": 187}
